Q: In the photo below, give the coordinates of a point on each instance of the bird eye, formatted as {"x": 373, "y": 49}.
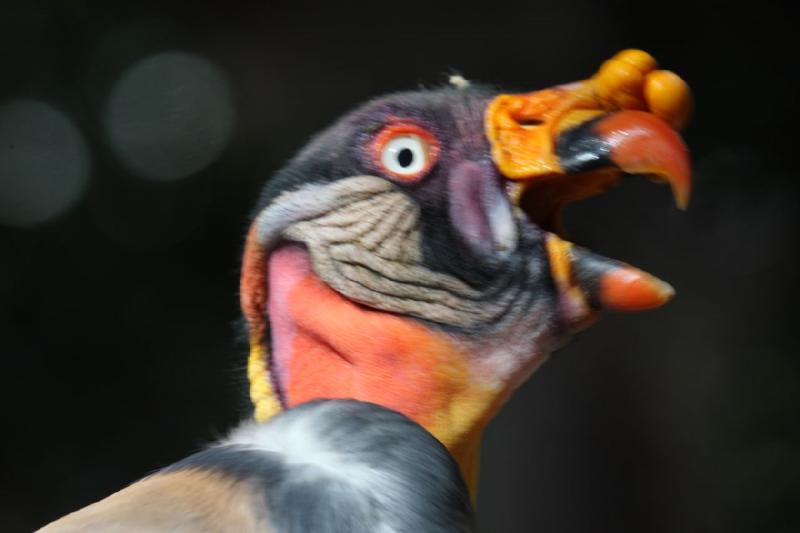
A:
{"x": 405, "y": 152}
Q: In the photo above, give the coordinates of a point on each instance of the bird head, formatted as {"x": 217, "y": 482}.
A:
{"x": 411, "y": 255}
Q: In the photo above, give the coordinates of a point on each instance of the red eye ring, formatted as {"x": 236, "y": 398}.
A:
{"x": 405, "y": 151}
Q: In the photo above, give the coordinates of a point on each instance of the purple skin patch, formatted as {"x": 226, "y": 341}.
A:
{"x": 480, "y": 210}
{"x": 288, "y": 265}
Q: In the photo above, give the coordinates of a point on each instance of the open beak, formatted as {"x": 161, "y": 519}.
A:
{"x": 571, "y": 142}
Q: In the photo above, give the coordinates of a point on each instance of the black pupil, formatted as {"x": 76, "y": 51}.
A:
{"x": 405, "y": 157}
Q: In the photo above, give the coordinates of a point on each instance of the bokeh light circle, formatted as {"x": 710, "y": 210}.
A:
{"x": 44, "y": 163}
{"x": 170, "y": 116}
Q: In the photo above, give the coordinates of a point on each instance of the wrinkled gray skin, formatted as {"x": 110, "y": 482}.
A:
{"x": 477, "y": 269}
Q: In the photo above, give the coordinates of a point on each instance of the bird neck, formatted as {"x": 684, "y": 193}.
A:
{"x": 327, "y": 346}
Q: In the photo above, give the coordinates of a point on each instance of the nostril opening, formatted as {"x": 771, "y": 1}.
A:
{"x": 527, "y": 122}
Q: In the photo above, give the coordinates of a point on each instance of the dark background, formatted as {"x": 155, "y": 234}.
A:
{"x": 118, "y": 306}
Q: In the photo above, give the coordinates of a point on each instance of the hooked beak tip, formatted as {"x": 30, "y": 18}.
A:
{"x": 634, "y": 142}
{"x": 629, "y": 289}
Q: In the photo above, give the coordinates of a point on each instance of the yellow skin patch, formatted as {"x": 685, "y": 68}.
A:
{"x": 262, "y": 395}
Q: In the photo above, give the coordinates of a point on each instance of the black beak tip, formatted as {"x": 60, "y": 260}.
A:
{"x": 582, "y": 148}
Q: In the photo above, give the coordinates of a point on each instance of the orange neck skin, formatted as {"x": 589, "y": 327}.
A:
{"x": 326, "y": 346}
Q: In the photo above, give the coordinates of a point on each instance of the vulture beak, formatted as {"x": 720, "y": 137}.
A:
{"x": 574, "y": 141}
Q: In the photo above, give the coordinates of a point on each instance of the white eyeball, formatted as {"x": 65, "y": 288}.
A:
{"x": 406, "y": 154}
